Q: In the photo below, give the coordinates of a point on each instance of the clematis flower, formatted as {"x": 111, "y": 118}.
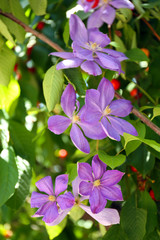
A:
{"x": 99, "y": 184}
{"x": 89, "y": 50}
{"x": 47, "y": 203}
{"x": 101, "y": 108}
{"x": 88, "y": 4}
{"x": 106, "y": 11}
{"x": 58, "y": 124}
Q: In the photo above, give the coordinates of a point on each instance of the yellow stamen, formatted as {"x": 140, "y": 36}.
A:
{"x": 52, "y": 198}
{"x": 75, "y": 118}
{"x": 96, "y": 183}
{"x": 107, "y": 111}
{"x": 77, "y": 201}
{"x": 93, "y": 46}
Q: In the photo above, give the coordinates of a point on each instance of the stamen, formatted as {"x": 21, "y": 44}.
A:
{"x": 75, "y": 118}
{"x": 107, "y": 111}
{"x": 52, "y": 198}
{"x": 96, "y": 183}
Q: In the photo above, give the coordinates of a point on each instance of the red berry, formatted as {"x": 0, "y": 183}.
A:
{"x": 133, "y": 169}
{"x": 63, "y": 153}
{"x": 89, "y": 0}
{"x": 116, "y": 84}
{"x": 134, "y": 93}
{"x": 32, "y": 70}
{"x": 18, "y": 75}
{"x": 151, "y": 193}
{"x": 15, "y": 67}
{"x": 95, "y": 3}
{"x": 40, "y": 25}
{"x": 29, "y": 51}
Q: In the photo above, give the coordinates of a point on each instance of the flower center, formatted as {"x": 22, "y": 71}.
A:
{"x": 52, "y": 198}
{"x": 75, "y": 118}
{"x": 106, "y": 111}
{"x": 96, "y": 183}
{"x": 93, "y": 46}
{"x": 77, "y": 201}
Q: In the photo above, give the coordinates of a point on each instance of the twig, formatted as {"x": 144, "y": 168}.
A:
{"x": 142, "y": 117}
{"x": 59, "y": 49}
{"x": 151, "y": 28}
{"x": 34, "y": 32}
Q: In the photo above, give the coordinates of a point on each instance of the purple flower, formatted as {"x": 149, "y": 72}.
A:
{"x": 58, "y": 124}
{"x": 101, "y": 108}
{"x": 106, "y": 12}
{"x": 106, "y": 217}
{"x": 47, "y": 203}
{"x": 87, "y": 5}
{"x": 89, "y": 50}
{"x": 99, "y": 184}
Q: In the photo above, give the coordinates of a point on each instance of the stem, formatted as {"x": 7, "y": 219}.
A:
{"x": 59, "y": 49}
{"x": 142, "y": 117}
{"x": 151, "y": 28}
{"x": 34, "y": 32}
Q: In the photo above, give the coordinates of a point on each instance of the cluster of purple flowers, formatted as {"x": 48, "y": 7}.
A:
{"x": 98, "y": 118}
{"x": 93, "y": 183}
{"x": 105, "y": 11}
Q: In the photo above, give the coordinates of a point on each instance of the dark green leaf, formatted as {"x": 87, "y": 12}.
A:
{"x": 115, "y": 233}
{"x": 136, "y": 55}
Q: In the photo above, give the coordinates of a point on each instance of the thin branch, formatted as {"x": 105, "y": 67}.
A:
{"x": 142, "y": 117}
{"x": 151, "y": 28}
{"x": 34, "y": 32}
{"x": 59, "y": 49}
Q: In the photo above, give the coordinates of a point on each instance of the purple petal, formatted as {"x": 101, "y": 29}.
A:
{"x": 51, "y": 213}
{"x": 78, "y": 139}
{"x": 58, "y": 124}
{"x": 92, "y": 99}
{"x": 42, "y": 210}
{"x": 38, "y": 199}
{"x": 109, "y": 62}
{"x": 112, "y": 193}
{"x": 94, "y": 20}
{"x": 61, "y": 216}
{"x": 66, "y": 200}
{"x": 121, "y": 107}
{"x": 98, "y": 167}
{"x": 75, "y": 186}
{"x": 61, "y": 183}
{"x": 85, "y": 188}
{"x": 111, "y": 177}
{"x": 122, "y": 4}
{"x": 69, "y": 63}
{"x": 45, "y": 185}
{"x": 78, "y": 31}
{"x": 109, "y": 130}
{"x": 106, "y": 217}
{"x": 85, "y": 171}
{"x": 97, "y": 201}
{"x": 68, "y": 100}
{"x": 108, "y": 15}
{"x": 91, "y": 68}
{"x": 119, "y": 55}
{"x": 64, "y": 55}
{"x": 121, "y": 126}
{"x": 106, "y": 90}
{"x": 98, "y": 37}
{"x": 93, "y": 131}
{"x": 82, "y": 53}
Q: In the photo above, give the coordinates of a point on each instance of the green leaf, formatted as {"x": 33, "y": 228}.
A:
{"x": 153, "y": 236}
{"x": 8, "y": 175}
{"x": 156, "y": 112}
{"x": 52, "y": 87}
{"x": 54, "y": 231}
{"x": 23, "y": 184}
{"x": 140, "y": 127}
{"x": 4, "y": 31}
{"x": 120, "y": 45}
{"x": 130, "y": 36}
{"x": 66, "y": 33}
{"x": 22, "y": 142}
{"x": 76, "y": 213}
{"x": 7, "y": 62}
{"x": 18, "y": 11}
{"x": 38, "y": 6}
{"x": 138, "y": 6}
{"x": 136, "y": 55}
{"x": 72, "y": 171}
{"x": 149, "y": 205}
{"x": 133, "y": 222}
{"x": 124, "y": 14}
{"x": 111, "y": 161}
{"x": 115, "y": 233}
{"x": 75, "y": 77}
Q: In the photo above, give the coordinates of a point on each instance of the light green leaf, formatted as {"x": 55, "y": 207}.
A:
{"x": 76, "y": 213}
{"x": 4, "y": 31}
{"x": 8, "y": 175}
{"x": 7, "y": 62}
{"x": 133, "y": 222}
{"x": 22, "y": 141}
{"x": 115, "y": 233}
{"x": 138, "y": 6}
{"x": 136, "y": 55}
{"x": 52, "y": 87}
{"x": 54, "y": 231}
{"x": 38, "y": 6}
{"x": 111, "y": 161}
{"x": 120, "y": 45}
{"x": 72, "y": 171}
{"x": 66, "y": 33}
{"x": 23, "y": 184}
{"x": 124, "y": 14}
{"x": 18, "y": 11}
{"x": 130, "y": 36}
{"x": 156, "y": 112}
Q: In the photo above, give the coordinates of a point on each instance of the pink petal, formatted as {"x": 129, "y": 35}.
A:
{"x": 111, "y": 177}
{"x": 108, "y": 15}
{"x": 61, "y": 216}
{"x": 51, "y": 213}
{"x": 122, "y": 4}
{"x": 66, "y": 200}
{"x": 121, "y": 108}
{"x": 98, "y": 37}
{"x": 69, "y": 63}
{"x": 109, "y": 130}
{"x": 112, "y": 193}
{"x": 64, "y": 55}
{"x": 95, "y": 21}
